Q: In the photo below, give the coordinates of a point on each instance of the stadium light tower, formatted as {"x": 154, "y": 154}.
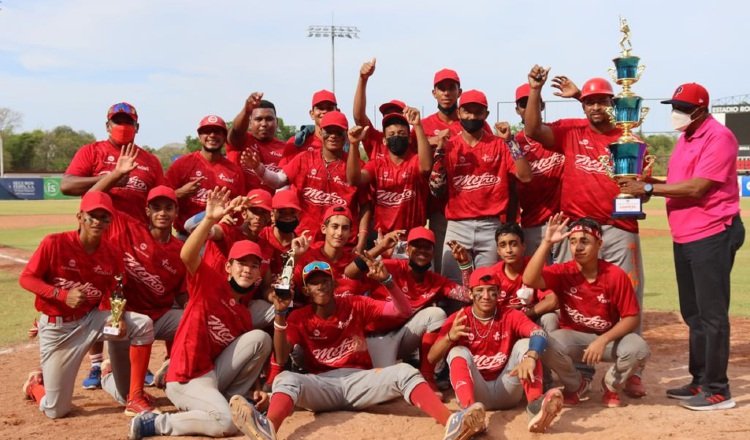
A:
{"x": 332, "y": 32}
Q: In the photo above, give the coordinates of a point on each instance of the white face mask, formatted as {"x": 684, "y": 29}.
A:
{"x": 680, "y": 120}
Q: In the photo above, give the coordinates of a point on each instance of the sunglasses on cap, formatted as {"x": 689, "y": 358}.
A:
{"x": 316, "y": 265}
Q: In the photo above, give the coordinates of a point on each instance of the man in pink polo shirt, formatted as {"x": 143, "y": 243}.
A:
{"x": 703, "y": 211}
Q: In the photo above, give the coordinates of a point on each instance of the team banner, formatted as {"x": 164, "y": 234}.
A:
{"x": 52, "y": 189}
{"x": 21, "y": 189}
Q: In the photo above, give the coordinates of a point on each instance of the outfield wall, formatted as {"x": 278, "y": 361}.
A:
{"x": 31, "y": 188}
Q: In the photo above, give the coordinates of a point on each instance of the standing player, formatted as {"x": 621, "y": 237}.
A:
{"x": 331, "y": 332}
{"x": 72, "y": 275}
{"x": 475, "y": 166}
{"x": 599, "y": 313}
{"x": 493, "y": 354}
{"x": 310, "y": 137}
{"x": 192, "y": 176}
{"x": 254, "y": 129}
{"x": 216, "y": 351}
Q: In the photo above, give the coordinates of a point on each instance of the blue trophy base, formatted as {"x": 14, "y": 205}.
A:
{"x": 628, "y": 207}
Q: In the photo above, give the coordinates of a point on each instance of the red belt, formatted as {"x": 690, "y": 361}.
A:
{"x": 52, "y": 319}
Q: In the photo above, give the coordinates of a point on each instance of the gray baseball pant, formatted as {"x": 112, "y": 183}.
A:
{"x": 386, "y": 349}
{"x": 478, "y": 237}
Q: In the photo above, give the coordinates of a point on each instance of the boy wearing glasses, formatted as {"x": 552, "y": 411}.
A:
{"x": 331, "y": 332}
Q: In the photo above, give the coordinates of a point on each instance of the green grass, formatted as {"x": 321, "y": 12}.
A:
{"x": 29, "y": 238}
{"x": 16, "y": 310}
{"x": 37, "y": 207}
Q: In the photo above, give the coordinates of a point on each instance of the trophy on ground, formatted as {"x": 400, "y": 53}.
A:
{"x": 117, "y": 305}
{"x": 628, "y": 154}
{"x": 283, "y": 288}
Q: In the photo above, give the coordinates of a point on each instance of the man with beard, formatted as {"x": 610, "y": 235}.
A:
{"x": 194, "y": 174}
{"x": 475, "y": 166}
{"x": 254, "y": 129}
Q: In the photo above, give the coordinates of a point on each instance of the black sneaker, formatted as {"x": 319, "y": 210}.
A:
{"x": 708, "y": 402}
{"x": 684, "y": 392}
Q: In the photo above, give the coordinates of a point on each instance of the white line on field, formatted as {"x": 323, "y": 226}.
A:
{"x": 17, "y": 260}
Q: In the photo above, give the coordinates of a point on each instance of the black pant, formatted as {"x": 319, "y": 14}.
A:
{"x": 703, "y": 268}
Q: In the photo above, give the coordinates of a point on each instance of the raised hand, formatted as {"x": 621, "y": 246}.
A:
{"x": 126, "y": 162}
{"x": 367, "y": 69}
{"x": 391, "y": 239}
{"x": 459, "y": 252}
{"x": 566, "y": 88}
{"x": 442, "y": 137}
{"x": 459, "y": 329}
{"x": 250, "y": 160}
{"x": 217, "y": 203}
{"x": 376, "y": 269}
{"x": 503, "y": 130}
{"x": 412, "y": 116}
{"x": 356, "y": 134}
{"x": 538, "y": 76}
{"x": 301, "y": 244}
{"x": 191, "y": 187}
{"x": 253, "y": 101}
{"x": 557, "y": 228}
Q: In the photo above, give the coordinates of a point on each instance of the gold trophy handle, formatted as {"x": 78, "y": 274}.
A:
{"x": 611, "y": 113}
{"x": 650, "y": 159}
{"x": 604, "y": 160}
{"x": 644, "y": 112}
{"x": 612, "y": 74}
{"x": 641, "y": 68}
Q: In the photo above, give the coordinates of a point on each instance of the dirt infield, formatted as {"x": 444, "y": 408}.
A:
{"x": 95, "y": 416}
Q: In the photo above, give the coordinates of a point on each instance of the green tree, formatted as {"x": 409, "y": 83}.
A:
{"x": 283, "y": 131}
{"x": 22, "y": 149}
{"x": 661, "y": 146}
{"x": 58, "y": 148}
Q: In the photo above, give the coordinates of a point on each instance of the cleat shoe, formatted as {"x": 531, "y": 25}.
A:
{"x": 706, "y": 401}
{"x": 464, "y": 424}
{"x": 249, "y": 420}
{"x": 149, "y": 379}
{"x": 634, "y": 387}
{"x": 94, "y": 379}
{"x": 35, "y": 377}
{"x": 160, "y": 378}
{"x": 140, "y": 403}
{"x": 610, "y": 398}
{"x": 142, "y": 425}
{"x": 684, "y": 392}
{"x": 544, "y": 410}
{"x": 576, "y": 397}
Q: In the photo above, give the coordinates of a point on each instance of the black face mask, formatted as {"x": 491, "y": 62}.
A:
{"x": 419, "y": 269}
{"x": 448, "y": 110}
{"x": 239, "y": 289}
{"x": 287, "y": 227}
{"x": 472, "y": 125}
{"x": 397, "y": 144}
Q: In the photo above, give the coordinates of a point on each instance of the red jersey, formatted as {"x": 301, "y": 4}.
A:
{"x": 155, "y": 271}
{"x": 216, "y": 252}
{"x": 491, "y": 343}
{"x": 400, "y": 193}
{"x": 270, "y": 154}
{"x": 477, "y": 177}
{"x": 591, "y": 307}
{"x": 101, "y": 158}
{"x": 344, "y": 286}
{"x": 587, "y": 189}
{"x": 509, "y": 287}
{"x": 312, "y": 143}
{"x": 339, "y": 340}
{"x": 376, "y": 149}
{"x": 433, "y": 125}
{"x": 211, "y": 321}
{"x": 268, "y": 235}
{"x": 321, "y": 185}
{"x": 61, "y": 262}
{"x": 221, "y": 173}
{"x": 540, "y": 198}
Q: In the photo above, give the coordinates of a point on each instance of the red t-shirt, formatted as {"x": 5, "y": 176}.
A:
{"x": 509, "y": 287}
{"x": 155, "y": 271}
{"x": 268, "y": 235}
{"x": 400, "y": 193}
{"x": 61, "y": 262}
{"x": 211, "y": 321}
{"x": 587, "y": 189}
{"x": 101, "y": 158}
{"x": 591, "y": 307}
{"x": 312, "y": 143}
{"x": 221, "y": 173}
{"x": 216, "y": 252}
{"x": 344, "y": 286}
{"x": 321, "y": 186}
{"x": 270, "y": 153}
{"x": 491, "y": 343}
{"x": 540, "y": 198}
{"x": 339, "y": 340}
{"x": 477, "y": 178}
{"x": 433, "y": 125}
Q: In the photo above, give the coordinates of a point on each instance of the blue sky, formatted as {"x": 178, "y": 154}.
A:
{"x": 65, "y": 62}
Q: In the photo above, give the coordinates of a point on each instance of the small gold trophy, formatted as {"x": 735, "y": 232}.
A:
{"x": 628, "y": 154}
{"x": 284, "y": 288}
{"x": 117, "y": 305}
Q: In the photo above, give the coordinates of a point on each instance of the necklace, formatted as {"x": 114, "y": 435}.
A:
{"x": 483, "y": 320}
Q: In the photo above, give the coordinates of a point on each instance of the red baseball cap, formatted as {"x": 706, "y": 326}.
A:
{"x": 243, "y": 248}
{"x": 212, "y": 121}
{"x": 323, "y": 96}
{"x": 596, "y": 86}
{"x": 316, "y": 266}
{"x": 286, "y": 199}
{"x": 400, "y": 105}
{"x": 161, "y": 191}
{"x": 261, "y": 200}
{"x": 338, "y": 210}
{"x": 394, "y": 116}
{"x": 93, "y": 200}
{"x": 421, "y": 233}
{"x": 689, "y": 94}
{"x": 472, "y": 97}
{"x": 122, "y": 108}
{"x": 523, "y": 91}
{"x": 443, "y": 74}
{"x": 334, "y": 119}
{"x": 482, "y": 277}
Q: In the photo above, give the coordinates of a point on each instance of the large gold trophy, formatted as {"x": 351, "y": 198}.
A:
{"x": 628, "y": 155}
{"x": 117, "y": 305}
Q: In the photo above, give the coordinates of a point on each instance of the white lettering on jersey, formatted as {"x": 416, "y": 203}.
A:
{"x": 219, "y": 332}
{"x": 388, "y": 198}
{"x": 471, "y": 182}
{"x": 333, "y": 354}
{"x": 543, "y": 166}
{"x": 137, "y": 271}
{"x": 484, "y": 362}
{"x": 137, "y": 184}
{"x": 593, "y": 322}
{"x": 590, "y": 165}
{"x": 322, "y": 198}
{"x": 87, "y": 288}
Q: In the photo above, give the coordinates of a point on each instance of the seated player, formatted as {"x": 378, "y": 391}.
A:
{"x": 599, "y": 313}
{"x": 493, "y": 354}
{"x": 331, "y": 332}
